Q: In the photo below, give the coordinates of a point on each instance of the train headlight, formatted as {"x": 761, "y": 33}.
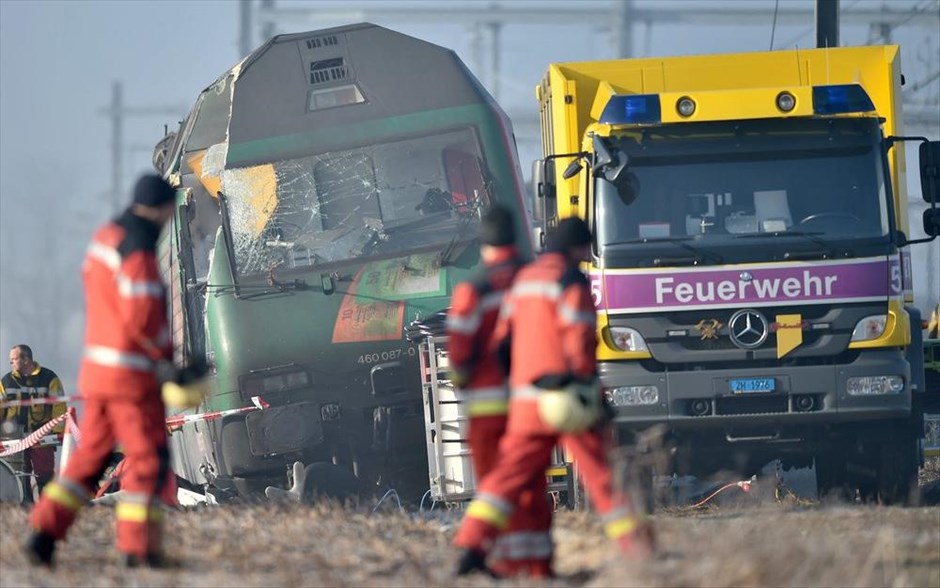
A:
{"x": 272, "y": 381}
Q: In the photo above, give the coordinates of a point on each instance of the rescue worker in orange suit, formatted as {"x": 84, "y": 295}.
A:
{"x": 525, "y": 548}
{"x": 27, "y": 379}
{"x": 549, "y": 321}
{"x": 127, "y": 348}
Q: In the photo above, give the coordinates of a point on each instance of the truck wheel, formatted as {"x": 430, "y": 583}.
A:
{"x": 325, "y": 480}
{"x": 831, "y": 478}
{"x": 885, "y": 463}
{"x": 899, "y": 459}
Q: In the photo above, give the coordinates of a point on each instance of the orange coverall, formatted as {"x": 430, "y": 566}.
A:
{"x": 525, "y": 547}
{"x": 126, "y": 333}
{"x": 551, "y": 318}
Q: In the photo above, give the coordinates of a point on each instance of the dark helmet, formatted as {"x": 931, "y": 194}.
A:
{"x": 570, "y": 232}
{"x": 153, "y": 190}
{"x": 498, "y": 228}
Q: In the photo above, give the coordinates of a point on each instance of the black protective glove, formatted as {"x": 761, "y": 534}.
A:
{"x": 504, "y": 355}
{"x": 554, "y": 381}
{"x": 184, "y": 388}
{"x": 197, "y": 369}
{"x": 166, "y": 371}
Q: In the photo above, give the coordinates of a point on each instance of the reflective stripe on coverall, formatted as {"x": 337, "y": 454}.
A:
{"x": 524, "y": 548}
{"x": 552, "y": 322}
{"x": 126, "y": 334}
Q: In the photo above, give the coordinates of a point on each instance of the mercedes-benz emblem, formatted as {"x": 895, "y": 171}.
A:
{"x": 748, "y": 329}
{"x": 746, "y": 276}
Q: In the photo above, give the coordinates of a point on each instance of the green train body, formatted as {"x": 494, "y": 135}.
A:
{"x": 330, "y": 191}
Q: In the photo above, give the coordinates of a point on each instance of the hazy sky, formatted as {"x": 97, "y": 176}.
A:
{"x": 58, "y": 61}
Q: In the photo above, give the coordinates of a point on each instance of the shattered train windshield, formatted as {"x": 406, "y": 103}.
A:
{"x": 373, "y": 201}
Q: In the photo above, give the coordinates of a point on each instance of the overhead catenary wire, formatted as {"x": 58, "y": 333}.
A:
{"x": 773, "y": 27}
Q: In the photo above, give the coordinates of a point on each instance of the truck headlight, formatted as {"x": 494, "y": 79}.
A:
{"x": 870, "y": 327}
{"x": 870, "y": 385}
{"x": 627, "y": 339}
{"x": 632, "y": 396}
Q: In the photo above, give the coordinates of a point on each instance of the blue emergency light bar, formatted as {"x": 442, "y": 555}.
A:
{"x": 841, "y": 99}
{"x": 642, "y": 109}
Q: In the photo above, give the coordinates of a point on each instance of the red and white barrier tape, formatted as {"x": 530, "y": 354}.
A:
{"x": 175, "y": 422}
{"x": 12, "y": 447}
{"x": 40, "y": 401}
{"x": 53, "y": 439}
{"x": 71, "y": 426}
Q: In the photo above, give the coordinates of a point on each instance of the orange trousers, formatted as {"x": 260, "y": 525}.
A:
{"x": 141, "y": 430}
{"x": 524, "y": 548}
{"x": 520, "y": 470}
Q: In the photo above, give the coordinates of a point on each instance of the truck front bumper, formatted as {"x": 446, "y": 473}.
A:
{"x": 703, "y": 398}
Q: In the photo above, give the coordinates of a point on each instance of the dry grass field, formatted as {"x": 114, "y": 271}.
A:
{"x": 749, "y": 539}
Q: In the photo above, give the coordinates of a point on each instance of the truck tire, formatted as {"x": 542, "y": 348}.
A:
{"x": 897, "y": 470}
{"x": 892, "y": 453}
{"x": 831, "y": 475}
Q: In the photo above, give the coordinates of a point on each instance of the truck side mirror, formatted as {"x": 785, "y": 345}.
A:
{"x": 602, "y": 155}
{"x": 538, "y": 188}
{"x": 572, "y": 170}
{"x": 538, "y": 238}
{"x": 930, "y": 172}
{"x": 932, "y": 222}
{"x": 544, "y": 192}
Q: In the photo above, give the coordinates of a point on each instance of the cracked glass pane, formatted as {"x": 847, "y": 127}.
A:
{"x": 379, "y": 200}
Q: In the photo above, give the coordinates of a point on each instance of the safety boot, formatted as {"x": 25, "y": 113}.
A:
{"x": 639, "y": 544}
{"x": 154, "y": 561}
{"x": 40, "y": 549}
{"x": 472, "y": 561}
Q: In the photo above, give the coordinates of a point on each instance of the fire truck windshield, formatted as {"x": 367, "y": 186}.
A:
{"x": 712, "y": 183}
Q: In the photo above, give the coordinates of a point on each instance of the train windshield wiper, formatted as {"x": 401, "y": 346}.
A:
{"x": 447, "y": 254}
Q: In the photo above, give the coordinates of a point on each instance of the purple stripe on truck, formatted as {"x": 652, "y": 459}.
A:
{"x": 627, "y": 291}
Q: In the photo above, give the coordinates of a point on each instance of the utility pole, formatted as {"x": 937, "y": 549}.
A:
{"x": 268, "y": 28}
{"x": 622, "y": 29}
{"x": 495, "y": 28}
{"x": 827, "y": 23}
{"x": 245, "y": 27}
{"x": 117, "y": 143}
{"x": 117, "y": 112}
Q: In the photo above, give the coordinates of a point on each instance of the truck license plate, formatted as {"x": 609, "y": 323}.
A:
{"x": 752, "y": 385}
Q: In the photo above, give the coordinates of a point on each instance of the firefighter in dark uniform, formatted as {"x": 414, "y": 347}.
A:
{"x": 29, "y": 380}
{"x": 127, "y": 354}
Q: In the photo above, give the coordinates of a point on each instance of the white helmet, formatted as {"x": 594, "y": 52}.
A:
{"x": 572, "y": 409}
